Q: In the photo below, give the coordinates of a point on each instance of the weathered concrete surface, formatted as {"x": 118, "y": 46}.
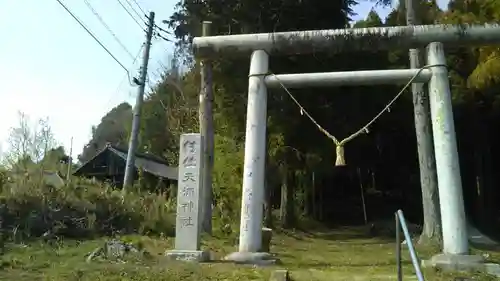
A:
{"x": 186, "y": 255}
{"x": 267, "y": 236}
{"x": 347, "y": 40}
{"x": 462, "y": 263}
{"x": 454, "y": 262}
{"x": 492, "y": 268}
{"x": 258, "y": 258}
{"x": 189, "y": 194}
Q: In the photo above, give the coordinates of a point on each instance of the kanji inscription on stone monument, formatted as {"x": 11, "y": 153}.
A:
{"x": 187, "y": 231}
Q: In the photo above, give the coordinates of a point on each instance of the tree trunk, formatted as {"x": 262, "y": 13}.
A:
{"x": 290, "y": 219}
{"x": 362, "y": 192}
{"x": 489, "y": 188}
{"x": 268, "y": 188}
{"x": 207, "y": 131}
{"x": 481, "y": 166}
{"x": 307, "y": 198}
{"x": 313, "y": 197}
{"x": 431, "y": 231}
{"x": 287, "y": 213}
{"x": 268, "y": 207}
{"x": 428, "y": 177}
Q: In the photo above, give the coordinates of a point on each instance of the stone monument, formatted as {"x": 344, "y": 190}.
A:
{"x": 189, "y": 202}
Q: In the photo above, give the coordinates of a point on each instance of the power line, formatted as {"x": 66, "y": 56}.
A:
{"x": 108, "y": 28}
{"x": 161, "y": 29}
{"x": 139, "y": 6}
{"x": 159, "y": 35}
{"x": 123, "y": 79}
{"x": 162, "y": 37}
{"x": 128, "y": 12}
{"x": 93, "y": 36}
{"x": 134, "y": 10}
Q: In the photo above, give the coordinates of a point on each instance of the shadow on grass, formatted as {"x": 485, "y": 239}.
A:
{"x": 341, "y": 236}
{"x": 485, "y": 247}
{"x": 318, "y": 265}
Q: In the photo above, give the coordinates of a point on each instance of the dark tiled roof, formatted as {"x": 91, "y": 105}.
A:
{"x": 147, "y": 162}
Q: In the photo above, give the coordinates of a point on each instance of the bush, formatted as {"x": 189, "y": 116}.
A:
{"x": 81, "y": 210}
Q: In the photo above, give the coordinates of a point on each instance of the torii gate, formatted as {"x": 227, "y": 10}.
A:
{"x": 455, "y": 240}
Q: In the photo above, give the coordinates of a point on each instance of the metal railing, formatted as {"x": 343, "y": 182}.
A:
{"x": 401, "y": 225}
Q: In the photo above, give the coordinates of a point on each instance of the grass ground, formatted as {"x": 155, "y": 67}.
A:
{"x": 342, "y": 254}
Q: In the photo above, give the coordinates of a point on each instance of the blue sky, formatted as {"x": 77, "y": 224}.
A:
{"x": 365, "y": 7}
{"x": 52, "y": 68}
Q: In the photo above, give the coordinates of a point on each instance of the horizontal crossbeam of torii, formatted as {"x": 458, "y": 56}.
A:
{"x": 345, "y": 40}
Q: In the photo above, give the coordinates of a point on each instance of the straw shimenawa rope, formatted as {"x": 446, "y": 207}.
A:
{"x": 340, "y": 156}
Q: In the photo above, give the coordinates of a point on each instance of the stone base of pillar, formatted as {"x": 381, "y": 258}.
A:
{"x": 257, "y": 258}
{"x": 454, "y": 262}
{"x": 186, "y": 255}
{"x": 448, "y": 262}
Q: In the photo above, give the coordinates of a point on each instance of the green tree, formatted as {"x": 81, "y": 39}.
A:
{"x": 297, "y": 151}
{"x": 113, "y": 129}
{"x": 284, "y": 118}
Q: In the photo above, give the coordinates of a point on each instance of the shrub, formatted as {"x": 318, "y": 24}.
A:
{"x": 82, "y": 209}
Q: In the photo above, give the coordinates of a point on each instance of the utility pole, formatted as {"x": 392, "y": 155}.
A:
{"x": 70, "y": 160}
{"x": 132, "y": 147}
{"x": 426, "y": 158}
{"x": 207, "y": 133}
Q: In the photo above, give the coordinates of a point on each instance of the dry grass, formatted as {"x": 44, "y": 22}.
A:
{"x": 342, "y": 254}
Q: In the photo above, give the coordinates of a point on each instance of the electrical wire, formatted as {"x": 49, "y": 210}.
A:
{"x": 93, "y": 36}
{"x": 133, "y": 10}
{"x": 161, "y": 29}
{"x": 162, "y": 37}
{"x": 128, "y": 12}
{"x": 140, "y": 8}
{"x": 159, "y": 35}
{"x": 123, "y": 79}
{"x": 96, "y": 14}
{"x": 161, "y": 65}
